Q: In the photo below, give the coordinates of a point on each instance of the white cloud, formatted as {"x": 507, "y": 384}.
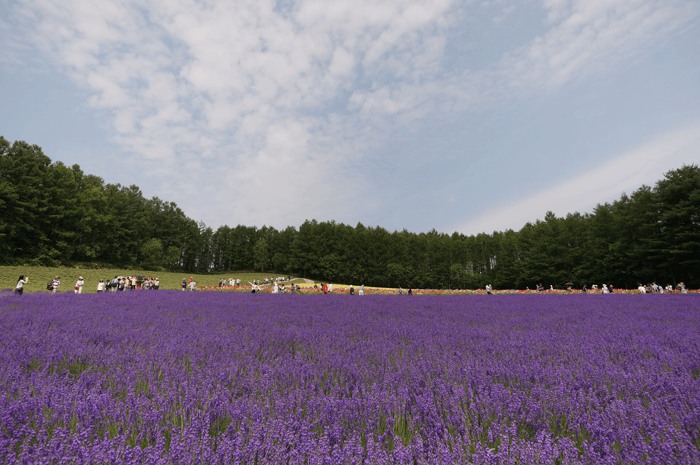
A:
{"x": 228, "y": 84}
{"x": 590, "y": 36}
{"x": 604, "y": 183}
{"x": 259, "y": 100}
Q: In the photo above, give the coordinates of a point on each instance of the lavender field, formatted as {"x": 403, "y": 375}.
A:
{"x": 198, "y": 377}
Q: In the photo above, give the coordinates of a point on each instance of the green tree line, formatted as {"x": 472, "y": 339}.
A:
{"x": 50, "y": 213}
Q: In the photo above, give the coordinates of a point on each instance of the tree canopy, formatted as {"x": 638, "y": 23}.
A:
{"x": 50, "y": 213}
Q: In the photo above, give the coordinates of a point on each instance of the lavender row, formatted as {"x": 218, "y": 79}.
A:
{"x": 179, "y": 377}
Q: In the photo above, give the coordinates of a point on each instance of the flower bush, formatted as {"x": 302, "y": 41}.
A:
{"x": 390, "y": 291}
{"x": 207, "y": 377}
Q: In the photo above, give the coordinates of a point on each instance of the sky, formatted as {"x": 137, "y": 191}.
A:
{"x": 451, "y": 115}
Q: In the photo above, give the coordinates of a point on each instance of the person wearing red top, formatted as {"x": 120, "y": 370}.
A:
{"x": 325, "y": 288}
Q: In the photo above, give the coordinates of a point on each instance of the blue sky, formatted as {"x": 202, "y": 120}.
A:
{"x": 415, "y": 114}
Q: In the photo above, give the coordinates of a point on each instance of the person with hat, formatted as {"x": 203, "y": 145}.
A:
{"x": 79, "y": 285}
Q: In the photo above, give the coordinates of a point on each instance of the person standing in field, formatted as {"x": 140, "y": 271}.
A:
{"x": 19, "y": 289}
{"x": 192, "y": 284}
{"x": 184, "y": 283}
{"x": 56, "y": 285}
{"x": 79, "y": 285}
{"x": 325, "y": 288}
{"x": 101, "y": 286}
{"x": 362, "y": 289}
{"x": 330, "y": 288}
{"x": 352, "y": 290}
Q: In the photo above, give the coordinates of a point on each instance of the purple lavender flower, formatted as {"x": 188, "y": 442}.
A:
{"x": 175, "y": 377}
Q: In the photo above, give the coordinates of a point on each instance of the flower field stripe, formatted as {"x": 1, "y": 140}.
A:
{"x": 223, "y": 377}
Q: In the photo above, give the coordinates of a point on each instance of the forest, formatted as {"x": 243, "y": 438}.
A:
{"x": 54, "y": 214}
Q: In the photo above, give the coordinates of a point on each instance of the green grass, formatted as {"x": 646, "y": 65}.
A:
{"x": 40, "y": 275}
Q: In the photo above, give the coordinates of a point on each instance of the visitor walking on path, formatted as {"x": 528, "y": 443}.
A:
{"x": 255, "y": 287}
{"x": 20, "y": 284}
{"x": 79, "y": 285}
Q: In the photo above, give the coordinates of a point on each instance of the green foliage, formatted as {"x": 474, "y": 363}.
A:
{"x": 52, "y": 213}
{"x": 152, "y": 253}
{"x": 261, "y": 254}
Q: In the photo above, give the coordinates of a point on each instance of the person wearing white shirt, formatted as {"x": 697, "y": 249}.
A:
{"x": 101, "y": 286}
{"x": 330, "y": 288}
{"x": 79, "y": 285}
{"x": 19, "y": 289}
{"x": 192, "y": 285}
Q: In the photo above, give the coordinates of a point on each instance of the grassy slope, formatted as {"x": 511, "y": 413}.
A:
{"x": 39, "y": 276}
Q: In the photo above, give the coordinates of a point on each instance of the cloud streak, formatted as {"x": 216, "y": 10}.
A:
{"x": 605, "y": 183}
{"x": 268, "y": 102}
